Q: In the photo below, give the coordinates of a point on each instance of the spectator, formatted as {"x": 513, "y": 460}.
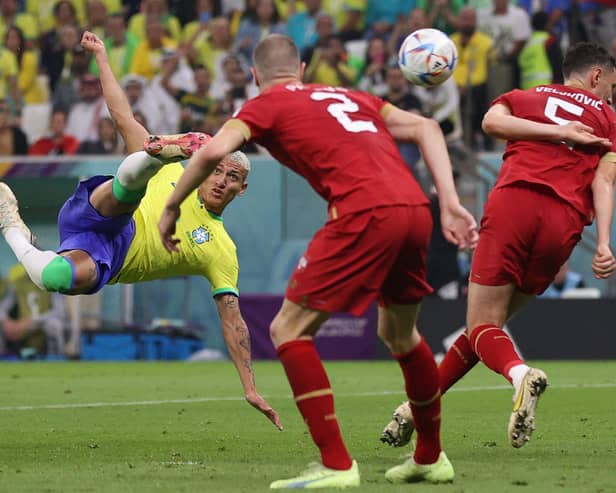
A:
{"x": 330, "y": 65}
{"x": 9, "y": 84}
{"x": 107, "y": 141}
{"x": 442, "y": 103}
{"x": 120, "y": 45}
{"x": 404, "y": 26}
{"x": 136, "y": 90}
{"x": 213, "y": 52}
{"x": 350, "y": 18}
{"x": 324, "y": 28}
{"x": 12, "y": 139}
{"x": 57, "y": 52}
{"x": 400, "y": 95}
{"x": 32, "y": 320}
{"x": 84, "y": 116}
{"x": 442, "y": 14}
{"x": 301, "y": 26}
{"x": 475, "y": 53}
{"x": 66, "y": 92}
{"x": 52, "y": 45}
{"x": 541, "y": 58}
{"x": 30, "y": 87}
{"x": 255, "y": 27}
{"x": 158, "y": 9}
{"x": 178, "y": 74}
{"x": 10, "y": 16}
{"x": 558, "y": 12}
{"x": 57, "y": 142}
{"x": 239, "y": 90}
{"x": 206, "y": 10}
{"x": 374, "y": 74}
{"x": 564, "y": 280}
{"x": 147, "y": 58}
{"x": 197, "y": 108}
{"x": 509, "y": 28}
{"x": 382, "y": 16}
{"x": 96, "y": 17}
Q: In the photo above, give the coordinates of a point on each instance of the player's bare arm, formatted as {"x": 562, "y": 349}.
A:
{"x": 201, "y": 165}
{"x": 603, "y": 263}
{"x": 459, "y": 226}
{"x": 500, "y": 123}
{"x": 237, "y": 338}
{"x": 130, "y": 129}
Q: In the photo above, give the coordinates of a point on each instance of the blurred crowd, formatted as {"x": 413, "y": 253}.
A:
{"x": 184, "y": 64}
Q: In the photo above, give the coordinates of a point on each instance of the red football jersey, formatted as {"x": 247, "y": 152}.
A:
{"x": 568, "y": 171}
{"x": 337, "y": 140}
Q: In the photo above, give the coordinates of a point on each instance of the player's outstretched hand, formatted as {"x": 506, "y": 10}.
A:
{"x": 166, "y": 228}
{"x": 578, "y": 133}
{"x": 92, "y": 43}
{"x": 603, "y": 263}
{"x": 459, "y": 226}
{"x": 260, "y": 404}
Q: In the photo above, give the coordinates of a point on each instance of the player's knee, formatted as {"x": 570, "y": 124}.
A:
{"x": 58, "y": 275}
{"x": 276, "y": 332}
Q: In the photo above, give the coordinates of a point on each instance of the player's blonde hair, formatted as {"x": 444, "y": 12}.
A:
{"x": 238, "y": 157}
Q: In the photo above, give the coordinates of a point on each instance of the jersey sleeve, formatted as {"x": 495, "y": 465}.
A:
{"x": 255, "y": 117}
{"x": 223, "y": 275}
{"x": 508, "y": 99}
{"x": 611, "y": 154}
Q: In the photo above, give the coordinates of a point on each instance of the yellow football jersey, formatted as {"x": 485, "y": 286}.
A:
{"x": 206, "y": 249}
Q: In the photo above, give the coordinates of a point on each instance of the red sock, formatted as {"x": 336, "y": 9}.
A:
{"x": 315, "y": 400}
{"x": 422, "y": 388}
{"x": 495, "y": 349}
{"x": 458, "y": 361}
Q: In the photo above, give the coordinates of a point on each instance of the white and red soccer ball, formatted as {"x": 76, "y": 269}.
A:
{"x": 427, "y": 57}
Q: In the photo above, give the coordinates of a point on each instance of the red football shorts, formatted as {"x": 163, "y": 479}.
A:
{"x": 524, "y": 238}
{"x": 352, "y": 260}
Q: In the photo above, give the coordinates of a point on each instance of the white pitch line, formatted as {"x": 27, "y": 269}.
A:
{"x": 197, "y": 400}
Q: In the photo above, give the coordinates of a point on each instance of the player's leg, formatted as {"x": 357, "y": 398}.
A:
{"x": 122, "y": 194}
{"x": 488, "y": 307}
{"x": 397, "y": 329}
{"x": 343, "y": 269}
{"x": 458, "y": 361}
{"x": 292, "y": 332}
{"x": 69, "y": 274}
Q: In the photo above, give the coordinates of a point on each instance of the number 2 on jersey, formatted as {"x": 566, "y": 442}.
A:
{"x": 341, "y": 110}
{"x": 553, "y": 104}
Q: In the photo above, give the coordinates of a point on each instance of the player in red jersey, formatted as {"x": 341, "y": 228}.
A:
{"x": 373, "y": 245}
{"x": 547, "y": 190}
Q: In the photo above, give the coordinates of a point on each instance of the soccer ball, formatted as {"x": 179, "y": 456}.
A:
{"x": 427, "y": 57}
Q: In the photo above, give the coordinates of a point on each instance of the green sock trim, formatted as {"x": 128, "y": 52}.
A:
{"x": 58, "y": 275}
{"x": 124, "y": 195}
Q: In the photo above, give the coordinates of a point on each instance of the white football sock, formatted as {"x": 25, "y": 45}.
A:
{"x": 136, "y": 170}
{"x": 517, "y": 373}
{"x": 33, "y": 259}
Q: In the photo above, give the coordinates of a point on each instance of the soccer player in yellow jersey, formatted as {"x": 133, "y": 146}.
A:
{"x": 108, "y": 227}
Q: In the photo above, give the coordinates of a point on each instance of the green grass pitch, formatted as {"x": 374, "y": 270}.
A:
{"x": 183, "y": 427}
